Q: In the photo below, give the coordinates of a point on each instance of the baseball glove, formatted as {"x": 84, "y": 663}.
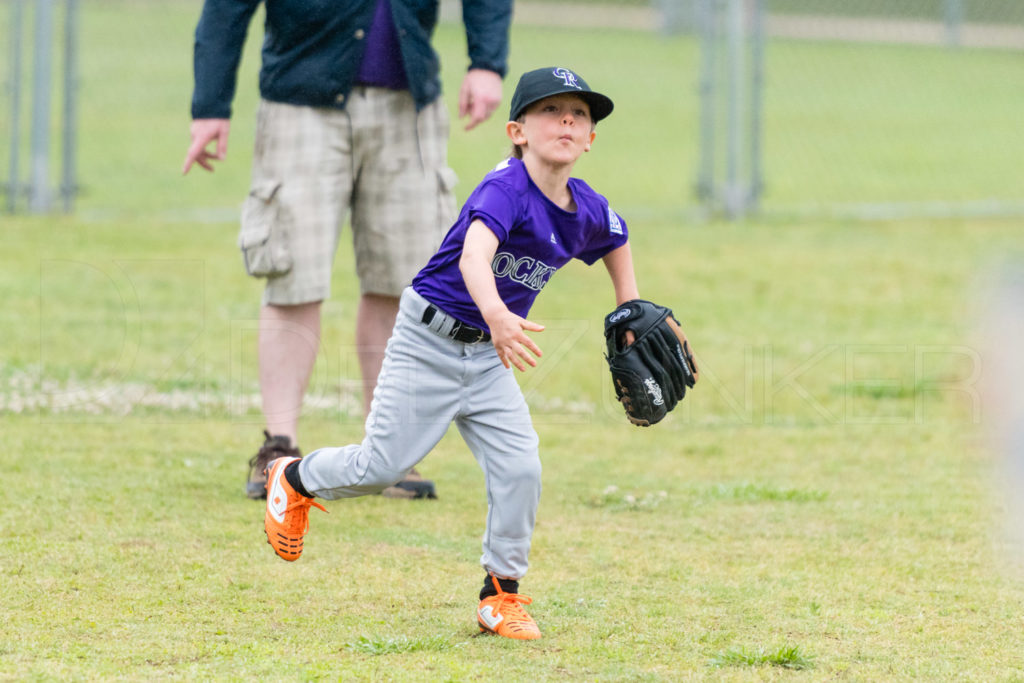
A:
{"x": 651, "y": 375}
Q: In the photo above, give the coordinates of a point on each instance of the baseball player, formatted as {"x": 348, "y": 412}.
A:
{"x": 462, "y": 325}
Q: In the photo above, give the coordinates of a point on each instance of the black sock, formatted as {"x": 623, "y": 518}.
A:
{"x": 507, "y": 585}
{"x": 291, "y": 473}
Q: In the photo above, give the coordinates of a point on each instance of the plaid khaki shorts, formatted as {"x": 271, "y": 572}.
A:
{"x": 379, "y": 161}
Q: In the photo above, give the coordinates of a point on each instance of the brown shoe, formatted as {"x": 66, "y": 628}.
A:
{"x": 274, "y": 447}
{"x": 413, "y": 486}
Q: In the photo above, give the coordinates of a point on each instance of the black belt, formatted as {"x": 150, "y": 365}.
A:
{"x": 460, "y": 332}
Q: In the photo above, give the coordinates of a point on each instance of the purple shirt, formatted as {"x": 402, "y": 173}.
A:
{"x": 535, "y": 238}
{"x": 382, "y": 62}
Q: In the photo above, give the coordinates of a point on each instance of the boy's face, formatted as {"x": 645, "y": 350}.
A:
{"x": 557, "y": 129}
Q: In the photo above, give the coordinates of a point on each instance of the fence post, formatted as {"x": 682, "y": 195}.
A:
{"x": 17, "y": 26}
{"x": 68, "y": 186}
{"x": 44, "y": 41}
{"x": 708, "y": 24}
{"x": 757, "y": 102}
{"x": 954, "y": 15}
{"x": 39, "y": 199}
{"x": 732, "y": 54}
{"x": 734, "y": 191}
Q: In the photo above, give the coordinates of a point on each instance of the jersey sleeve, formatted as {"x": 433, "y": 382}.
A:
{"x": 493, "y": 203}
{"x": 608, "y": 233}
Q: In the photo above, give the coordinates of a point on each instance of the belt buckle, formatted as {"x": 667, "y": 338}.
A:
{"x": 461, "y": 332}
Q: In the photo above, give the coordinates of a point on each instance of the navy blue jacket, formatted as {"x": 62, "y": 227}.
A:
{"x": 312, "y": 49}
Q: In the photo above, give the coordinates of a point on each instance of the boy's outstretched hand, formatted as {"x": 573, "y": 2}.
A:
{"x": 508, "y": 334}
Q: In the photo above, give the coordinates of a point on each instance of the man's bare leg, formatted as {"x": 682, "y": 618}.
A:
{"x": 288, "y": 345}
{"x": 375, "y": 320}
{"x": 289, "y": 340}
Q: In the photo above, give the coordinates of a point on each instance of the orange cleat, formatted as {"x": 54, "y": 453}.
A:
{"x": 503, "y": 615}
{"x": 287, "y": 518}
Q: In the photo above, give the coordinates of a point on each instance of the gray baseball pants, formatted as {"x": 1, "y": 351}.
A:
{"x": 427, "y": 382}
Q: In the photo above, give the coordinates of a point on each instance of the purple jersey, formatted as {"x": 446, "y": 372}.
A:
{"x": 535, "y": 238}
{"x": 382, "y": 61}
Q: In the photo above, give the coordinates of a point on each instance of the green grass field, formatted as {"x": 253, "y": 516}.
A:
{"x": 821, "y": 507}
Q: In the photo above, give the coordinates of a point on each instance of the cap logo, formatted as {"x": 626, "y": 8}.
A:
{"x": 567, "y": 76}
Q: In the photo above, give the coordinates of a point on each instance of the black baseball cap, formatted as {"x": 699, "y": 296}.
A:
{"x": 554, "y": 80}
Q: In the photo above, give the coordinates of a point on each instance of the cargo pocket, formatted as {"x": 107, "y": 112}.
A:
{"x": 264, "y": 233}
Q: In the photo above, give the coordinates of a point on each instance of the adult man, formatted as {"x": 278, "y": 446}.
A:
{"x": 350, "y": 119}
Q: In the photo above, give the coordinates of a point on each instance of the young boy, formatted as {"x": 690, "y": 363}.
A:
{"x": 462, "y": 325}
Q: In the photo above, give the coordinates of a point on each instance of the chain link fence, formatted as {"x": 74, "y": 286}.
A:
{"x": 867, "y": 107}
{"x": 894, "y": 107}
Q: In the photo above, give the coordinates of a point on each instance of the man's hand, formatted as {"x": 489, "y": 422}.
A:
{"x": 479, "y": 96}
{"x": 205, "y": 131}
